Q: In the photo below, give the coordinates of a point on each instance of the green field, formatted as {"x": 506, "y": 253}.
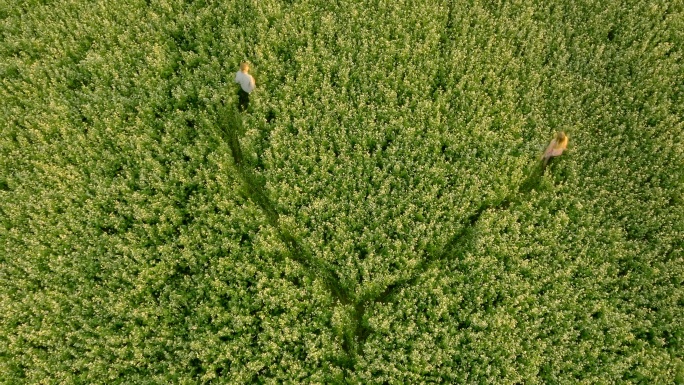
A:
{"x": 376, "y": 217}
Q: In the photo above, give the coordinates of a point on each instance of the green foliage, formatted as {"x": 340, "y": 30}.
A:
{"x": 378, "y": 216}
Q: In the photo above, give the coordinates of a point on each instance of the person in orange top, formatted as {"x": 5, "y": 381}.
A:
{"x": 555, "y": 148}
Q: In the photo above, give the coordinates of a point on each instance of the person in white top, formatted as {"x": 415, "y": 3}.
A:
{"x": 247, "y": 85}
{"x": 555, "y": 148}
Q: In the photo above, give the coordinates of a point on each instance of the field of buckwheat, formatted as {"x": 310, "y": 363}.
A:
{"x": 377, "y": 216}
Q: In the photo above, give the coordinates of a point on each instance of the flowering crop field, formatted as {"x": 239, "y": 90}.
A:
{"x": 377, "y": 216}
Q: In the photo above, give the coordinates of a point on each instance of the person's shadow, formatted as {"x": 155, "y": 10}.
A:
{"x": 534, "y": 177}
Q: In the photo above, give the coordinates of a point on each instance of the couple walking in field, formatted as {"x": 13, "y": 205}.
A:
{"x": 247, "y": 85}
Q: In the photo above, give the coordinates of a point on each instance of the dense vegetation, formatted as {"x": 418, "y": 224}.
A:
{"x": 376, "y": 217}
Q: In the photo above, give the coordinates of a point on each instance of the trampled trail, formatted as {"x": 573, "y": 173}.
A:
{"x": 230, "y": 124}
